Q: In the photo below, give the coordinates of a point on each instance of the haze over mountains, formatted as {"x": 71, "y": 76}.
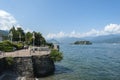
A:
{"x": 3, "y": 33}
{"x": 114, "y": 38}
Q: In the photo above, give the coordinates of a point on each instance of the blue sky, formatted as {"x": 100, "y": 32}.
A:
{"x": 62, "y": 18}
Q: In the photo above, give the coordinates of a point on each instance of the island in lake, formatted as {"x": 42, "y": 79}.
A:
{"x": 83, "y": 43}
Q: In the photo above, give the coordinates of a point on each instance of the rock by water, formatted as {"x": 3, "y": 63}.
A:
{"x": 27, "y": 67}
{"x": 43, "y": 66}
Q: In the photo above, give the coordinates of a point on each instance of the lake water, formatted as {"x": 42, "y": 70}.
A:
{"x": 88, "y": 62}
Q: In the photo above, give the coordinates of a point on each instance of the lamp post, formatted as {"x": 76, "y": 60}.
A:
{"x": 20, "y": 37}
{"x": 33, "y": 41}
{"x": 11, "y": 35}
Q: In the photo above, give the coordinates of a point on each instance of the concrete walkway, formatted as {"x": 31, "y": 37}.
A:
{"x": 25, "y": 53}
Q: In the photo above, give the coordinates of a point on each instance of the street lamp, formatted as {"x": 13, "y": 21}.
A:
{"x": 20, "y": 37}
{"x": 11, "y": 35}
{"x": 33, "y": 40}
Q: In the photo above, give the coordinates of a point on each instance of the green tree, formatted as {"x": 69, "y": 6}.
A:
{"x": 14, "y": 33}
{"x": 39, "y": 39}
{"x": 21, "y": 34}
{"x": 28, "y": 38}
{"x": 18, "y": 34}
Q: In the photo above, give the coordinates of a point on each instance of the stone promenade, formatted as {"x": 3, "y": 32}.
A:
{"x": 26, "y": 52}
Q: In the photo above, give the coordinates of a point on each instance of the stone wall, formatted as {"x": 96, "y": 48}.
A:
{"x": 43, "y": 66}
{"x": 23, "y": 66}
{"x": 35, "y": 66}
{"x": 2, "y": 66}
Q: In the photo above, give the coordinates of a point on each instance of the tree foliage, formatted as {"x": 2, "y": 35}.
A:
{"x": 83, "y": 42}
{"x": 56, "y": 55}
{"x": 18, "y": 34}
{"x": 28, "y": 38}
{"x": 39, "y": 39}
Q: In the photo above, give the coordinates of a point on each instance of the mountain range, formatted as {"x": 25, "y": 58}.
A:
{"x": 113, "y": 38}
{"x": 3, "y": 33}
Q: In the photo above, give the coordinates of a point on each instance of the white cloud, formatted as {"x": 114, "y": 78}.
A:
{"x": 112, "y": 28}
{"x": 6, "y": 20}
{"x": 58, "y": 35}
{"x": 108, "y": 29}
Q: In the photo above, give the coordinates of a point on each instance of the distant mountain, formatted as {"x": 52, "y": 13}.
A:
{"x": 67, "y": 40}
{"x": 70, "y": 39}
{"x": 3, "y": 33}
{"x": 107, "y": 39}
{"x": 53, "y": 41}
{"x": 99, "y": 39}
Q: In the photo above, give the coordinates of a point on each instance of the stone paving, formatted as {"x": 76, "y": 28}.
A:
{"x": 25, "y": 53}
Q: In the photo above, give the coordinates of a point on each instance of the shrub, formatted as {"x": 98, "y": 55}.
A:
{"x": 8, "y": 49}
{"x": 1, "y": 46}
{"x": 56, "y": 55}
{"x": 7, "y": 46}
{"x": 19, "y": 46}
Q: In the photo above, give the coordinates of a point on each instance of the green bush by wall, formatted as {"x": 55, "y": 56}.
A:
{"x": 7, "y": 46}
{"x": 56, "y": 55}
